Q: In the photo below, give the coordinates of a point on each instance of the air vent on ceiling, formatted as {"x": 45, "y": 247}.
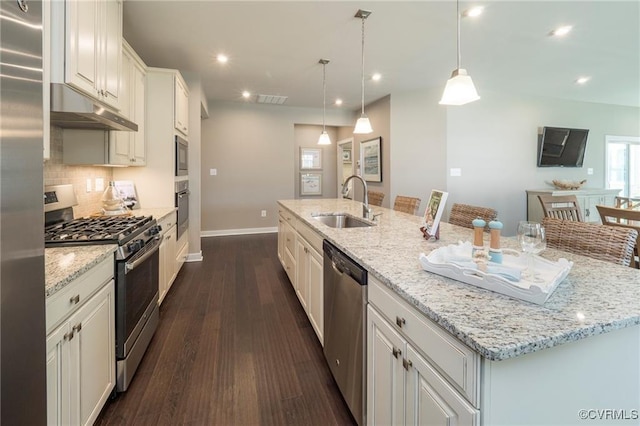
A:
{"x": 271, "y": 99}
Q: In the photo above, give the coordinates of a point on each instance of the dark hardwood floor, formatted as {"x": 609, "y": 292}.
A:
{"x": 234, "y": 347}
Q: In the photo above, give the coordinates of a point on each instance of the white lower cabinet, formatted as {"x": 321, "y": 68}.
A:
{"x": 167, "y": 253}
{"x": 81, "y": 359}
{"x": 416, "y": 373}
{"x": 182, "y": 250}
{"x": 300, "y": 253}
{"x": 309, "y": 283}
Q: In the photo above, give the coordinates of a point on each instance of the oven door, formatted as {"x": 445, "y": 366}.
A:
{"x": 182, "y": 203}
{"x": 182, "y": 157}
{"x": 136, "y": 295}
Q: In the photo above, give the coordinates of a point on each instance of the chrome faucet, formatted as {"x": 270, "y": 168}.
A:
{"x": 366, "y": 211}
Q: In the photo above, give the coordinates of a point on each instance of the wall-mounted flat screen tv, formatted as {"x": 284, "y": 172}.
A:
{"x": 562, "y": 147}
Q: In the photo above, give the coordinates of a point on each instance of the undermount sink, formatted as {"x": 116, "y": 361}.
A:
{"x": 341, "y": 220}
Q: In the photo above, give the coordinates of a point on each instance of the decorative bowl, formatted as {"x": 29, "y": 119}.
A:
{"x": 568, "y": 184}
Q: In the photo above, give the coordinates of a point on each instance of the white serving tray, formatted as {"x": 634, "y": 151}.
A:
{"x": 552, "y": 273}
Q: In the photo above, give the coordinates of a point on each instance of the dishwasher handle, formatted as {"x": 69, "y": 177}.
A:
{"x": 343, "y": 265}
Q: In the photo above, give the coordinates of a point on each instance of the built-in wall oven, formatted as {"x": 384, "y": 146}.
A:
{"x": 182, "y": 157}
{"x": 182, "y": 204}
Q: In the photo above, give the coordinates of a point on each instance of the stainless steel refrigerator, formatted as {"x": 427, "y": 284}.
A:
{"x": 22, "y": 310}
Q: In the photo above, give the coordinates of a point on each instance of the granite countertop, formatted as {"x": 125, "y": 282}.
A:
{"x": 157, "y": 213}
{"x": 595, "y": 298}
{"x": 64, "y": 264}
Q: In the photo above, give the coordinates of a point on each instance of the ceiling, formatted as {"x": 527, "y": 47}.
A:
{"x": 274, "y": 47}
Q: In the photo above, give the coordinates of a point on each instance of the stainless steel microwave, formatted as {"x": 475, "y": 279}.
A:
{"x": 182, "y": 157}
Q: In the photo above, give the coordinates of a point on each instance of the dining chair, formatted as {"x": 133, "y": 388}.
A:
{"x": 564, "y": 207}
{"x": 375, "y": 198}
{"x": 406, "y": 204}
{"x": 593, "y": 240}
{"x": 627, "y": 203}
{"x": 464, "y": 214}
{"x": 623, "y": 218}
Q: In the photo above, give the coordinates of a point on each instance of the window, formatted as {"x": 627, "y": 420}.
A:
{"x": 623, "y": 164}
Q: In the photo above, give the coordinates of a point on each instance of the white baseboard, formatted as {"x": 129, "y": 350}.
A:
{"x": 194, "y": 257}
{"x": 244, "y": 231}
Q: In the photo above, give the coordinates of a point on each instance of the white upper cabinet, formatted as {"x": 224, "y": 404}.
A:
{"x": 87, "y": 46}
{"x": 181, "y": 111}
{"x": 129, "y": 148}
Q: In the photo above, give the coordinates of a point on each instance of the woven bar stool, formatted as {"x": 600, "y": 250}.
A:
{"x": 464, "y": 214}
{"x": 375, "y": 198}
{"x": 602, "y": 242}
{"x": 406, "y": 204}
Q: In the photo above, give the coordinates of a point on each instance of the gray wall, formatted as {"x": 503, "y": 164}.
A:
{"x": 252, "y": 147}
{"x": 419, "y": 150}
{"x": 494, "y": 142}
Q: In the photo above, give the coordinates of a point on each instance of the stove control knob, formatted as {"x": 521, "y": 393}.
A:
{"x": 134, "y": 245}
{"x": 155, "y": 229}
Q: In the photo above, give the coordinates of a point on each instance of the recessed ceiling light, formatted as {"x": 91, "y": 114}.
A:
{"x": 561, "y": 31}
{"x": 473, "y": 12}
{"x": 376, "y": 76}
{"x": 582, "y": 80}
{"x": 338, "y": 102}
{"x": 222, "y": 58}
{"x": 246, "y": 94}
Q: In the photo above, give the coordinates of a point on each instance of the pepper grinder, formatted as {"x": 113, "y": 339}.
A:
{"x": 478, "y": 229}
{"x": 495, "y": 252}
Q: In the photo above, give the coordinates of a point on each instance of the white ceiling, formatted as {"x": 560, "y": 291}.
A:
{"x": 274, "y": 47}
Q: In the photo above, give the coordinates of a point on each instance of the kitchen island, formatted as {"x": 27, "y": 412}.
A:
{"x": 537, "y": 364}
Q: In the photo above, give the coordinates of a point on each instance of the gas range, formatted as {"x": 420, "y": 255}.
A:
{"x": 131, "y": 233}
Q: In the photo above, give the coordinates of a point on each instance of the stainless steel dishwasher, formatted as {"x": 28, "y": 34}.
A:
{"x": 345, "y": 307}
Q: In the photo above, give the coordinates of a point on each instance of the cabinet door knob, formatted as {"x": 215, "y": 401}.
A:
{"x": 400, "y": 321}
{"x": 396, "y": 352}
{"x": 77, "y": 327}
{"x": 68, "y": 336}
{"x": 406, "y": 364}
{"x": 75, "y": 299}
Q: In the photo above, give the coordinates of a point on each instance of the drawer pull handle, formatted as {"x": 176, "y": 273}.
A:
{"x": 77, "y": 327}
{"x": 68, "y": 336}
{"x": 406, "y": 364}
{"x": 400, "y": 321}
{"x": 75, "y": 299}
{"x": 396, "y": 352}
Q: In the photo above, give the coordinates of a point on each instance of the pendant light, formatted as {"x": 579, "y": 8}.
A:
{"x": 324, "y": 136}
{"x": 459, "y": 89}
{"x": 363, "y": 125}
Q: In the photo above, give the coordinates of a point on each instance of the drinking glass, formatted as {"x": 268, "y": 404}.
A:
{"x": 532, "y": 240}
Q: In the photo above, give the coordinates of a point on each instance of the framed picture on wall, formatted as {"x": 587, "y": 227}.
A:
{"x": 371, "y": 159}
{"x": 310, "y": 183}
{"x": 346, "y": 155}
{"x": 310, "y": 158}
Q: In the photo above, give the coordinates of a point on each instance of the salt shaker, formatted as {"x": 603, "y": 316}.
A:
{"x": 478, "y": 229}
{"x": 495, "y": 252}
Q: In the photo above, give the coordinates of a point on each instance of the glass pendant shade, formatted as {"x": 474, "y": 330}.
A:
{"x": 363, "y": 126}
{"x": 459, "y": 89}
{"x": 324, "y": 138}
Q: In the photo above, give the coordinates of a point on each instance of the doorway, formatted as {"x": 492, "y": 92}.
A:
{"x": 346, "y": 163}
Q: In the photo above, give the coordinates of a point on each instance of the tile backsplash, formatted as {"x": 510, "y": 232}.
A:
{"x": 56, "y": 173}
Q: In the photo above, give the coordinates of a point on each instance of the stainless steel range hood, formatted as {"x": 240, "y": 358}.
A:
{"x": 73, "y": 110}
